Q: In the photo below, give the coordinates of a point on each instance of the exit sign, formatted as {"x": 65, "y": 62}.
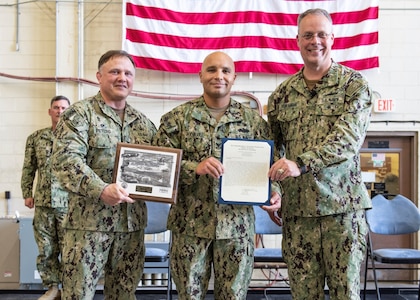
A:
{"x": 384, "y": 105}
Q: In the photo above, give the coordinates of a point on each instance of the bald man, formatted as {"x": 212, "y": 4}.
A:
{"x": 207, "y": 234}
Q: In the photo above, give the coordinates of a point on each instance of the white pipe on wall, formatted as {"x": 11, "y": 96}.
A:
{"x": 80, "y": 45}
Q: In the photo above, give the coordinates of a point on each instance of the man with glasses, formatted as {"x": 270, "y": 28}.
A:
{"x": 319, "y": 118}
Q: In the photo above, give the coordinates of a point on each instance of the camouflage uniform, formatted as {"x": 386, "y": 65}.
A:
{"x": 323, "y": 210}
{"x": 204, "y": 231}
{"x": 50, "y": 204}
{"x": 99, "y": 237}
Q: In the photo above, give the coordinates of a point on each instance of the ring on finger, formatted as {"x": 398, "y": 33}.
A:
{"x": 280, "y": 171}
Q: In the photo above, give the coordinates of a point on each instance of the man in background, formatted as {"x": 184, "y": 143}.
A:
{"x": 319, "y": 117}
{"x": 104, "y": 227}
{"x": 50, "y": 203}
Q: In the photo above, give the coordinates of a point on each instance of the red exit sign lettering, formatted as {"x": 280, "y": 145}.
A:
{"x": 384, "y": 105}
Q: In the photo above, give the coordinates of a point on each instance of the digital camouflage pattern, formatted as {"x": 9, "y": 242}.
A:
{"x": 201, "y": 227}
{"x": 100, "y": 239}
{"x": 50, "y": 204}
{"x": 49, "y": 233}
{"x": 190, "y": 127}
{"x": 233, "y": 263}
{"x": 38, "y": 151}
{"x": 330, "y": 247}
{"x": 324, "y": 227}
{"x": 98, "y": 249}
{"x": 84, "y": 156}
{"x": 325, "y": 132}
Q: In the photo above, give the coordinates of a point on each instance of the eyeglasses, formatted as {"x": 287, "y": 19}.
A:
{"x": 310, "y": 35}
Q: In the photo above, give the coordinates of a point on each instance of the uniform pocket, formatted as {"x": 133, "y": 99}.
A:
{"x": 330, "y": 105}
{"x": 288, "y": 118}
{"x": 196, "y": 145}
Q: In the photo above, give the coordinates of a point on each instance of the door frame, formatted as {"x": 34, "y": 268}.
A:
{"x": 412, "y": 191}
{"x": 413, "y": 140}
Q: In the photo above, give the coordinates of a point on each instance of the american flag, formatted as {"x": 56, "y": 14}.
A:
{"x": 259, "y": 35}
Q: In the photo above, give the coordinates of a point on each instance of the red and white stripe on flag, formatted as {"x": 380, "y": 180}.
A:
{"x": 259, "y": 35}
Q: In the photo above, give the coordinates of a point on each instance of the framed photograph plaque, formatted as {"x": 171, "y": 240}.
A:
{"x": 147, "y": 172}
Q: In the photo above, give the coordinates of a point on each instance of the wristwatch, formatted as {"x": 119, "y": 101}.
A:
{"x": 302, "y": 167}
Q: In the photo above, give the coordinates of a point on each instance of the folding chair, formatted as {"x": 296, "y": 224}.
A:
{"x": 391, "y": 217}
{"x": 266, "y": 258}
{"x": 157, "y": 253}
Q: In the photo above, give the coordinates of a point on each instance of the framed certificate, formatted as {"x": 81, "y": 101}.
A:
{"x": 246, "y": 163}
{"x": 147, "y": 172}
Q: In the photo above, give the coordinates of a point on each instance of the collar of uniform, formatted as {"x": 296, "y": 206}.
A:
{"x": 232, "y": 114}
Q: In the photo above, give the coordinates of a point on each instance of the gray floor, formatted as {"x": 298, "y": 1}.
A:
{"x": 257, "y": 291}
{"x": 254, "y": 295}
